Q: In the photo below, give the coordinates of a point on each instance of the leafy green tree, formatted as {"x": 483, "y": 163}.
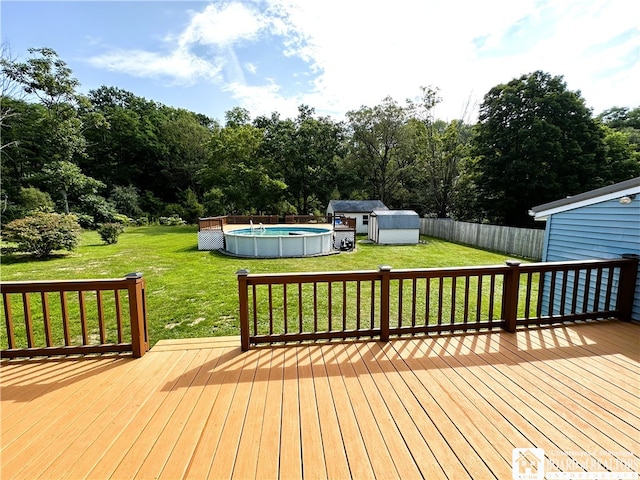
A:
{"x": 156, "y": 148}
{"x": 622, "y": 139}
{"x": 303, "y": 152}
{"x": 185, "y": 142}
{"x": 620, "y": 118}
{"x": 380, "y": 149}
{"x": 42, "y": 233}
{"x": 48, "y": 78}
{"x": 238, "y": 171}
{"x": 439, "y": 148}
{"x": 536, "y": 142}
{"x": 24, "y": 151}
{"x": 126, "y": 200}
{"x": 66, "y": 178}
{"x": 622, "y": 157}
{"x": 98, "y": 208}
{"x": 192, "y": 208}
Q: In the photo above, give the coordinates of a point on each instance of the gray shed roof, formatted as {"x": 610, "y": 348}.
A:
{"x": 356, "y": 206}
{"x": 397, "y": 219}
{"x": 627, "y": 187}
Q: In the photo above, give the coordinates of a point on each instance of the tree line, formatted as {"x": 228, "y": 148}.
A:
{"x": 111, "y": 156}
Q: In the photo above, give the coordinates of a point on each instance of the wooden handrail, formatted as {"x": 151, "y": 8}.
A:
{"x": 34, "y": 334}
{"x": 431, "y": 300}
{"x": 217, "y": 223}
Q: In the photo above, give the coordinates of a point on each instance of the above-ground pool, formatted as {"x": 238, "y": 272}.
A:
{"x": 293, "y": 241}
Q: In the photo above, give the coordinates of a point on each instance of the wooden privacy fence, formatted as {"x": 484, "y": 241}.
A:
{"x": 379, "y": 303}
{"x": 522, "y": 242}
{"x": 92, "y": 321}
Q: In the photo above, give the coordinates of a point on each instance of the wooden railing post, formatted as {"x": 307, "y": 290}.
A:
{"x": 510, "y": 291}
{"x": 137, "y": 314}
{"x": 243, "y": 299}
{"x": 385, "y": 301}
{"x": 627, "y": 285}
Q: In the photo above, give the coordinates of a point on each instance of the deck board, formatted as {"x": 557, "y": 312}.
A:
{"x": 451, "y": 406}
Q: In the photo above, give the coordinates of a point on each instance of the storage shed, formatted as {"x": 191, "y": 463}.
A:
{"x": 599, "y": 224}
{"x": 394, "y": 227}
{"x": 358, "y": 209}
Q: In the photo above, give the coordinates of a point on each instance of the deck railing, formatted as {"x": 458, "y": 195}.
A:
{"x": 301, "y": 219}
{"x": 92, "y": 322}
{"x": 217, "y": 223}
{"x": 293, "y": 307}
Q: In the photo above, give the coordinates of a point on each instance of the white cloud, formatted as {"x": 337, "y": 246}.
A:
{"x": 221, "y": 25}
{"x": 179, "y": 65}
{"x": 263, "y": 100}
{"x": 359, "y": 51}
{"x": 251, "y": 68}
{"x": 366, "y": 50}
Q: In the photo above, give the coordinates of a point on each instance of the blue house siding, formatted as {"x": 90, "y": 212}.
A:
{"x": 601, "y": 230}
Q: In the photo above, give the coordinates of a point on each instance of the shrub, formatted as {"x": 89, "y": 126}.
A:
{"x": 42, "y": 233}
{"x": 34, "y": 199}
{"x": 121, "y": 219}
{"x": 172, "y": 221}
{"x": 98, "y": 207}
{"x": 109, "y": 232}
{"x": 86, "y": 221}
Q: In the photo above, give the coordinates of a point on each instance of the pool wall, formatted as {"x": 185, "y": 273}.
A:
{"x": 309, "y": 243}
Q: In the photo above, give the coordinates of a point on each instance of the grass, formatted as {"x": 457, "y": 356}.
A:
{"x": 193, "y": 293}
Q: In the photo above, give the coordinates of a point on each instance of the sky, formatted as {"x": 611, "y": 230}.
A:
{"x": 334, "y": 55}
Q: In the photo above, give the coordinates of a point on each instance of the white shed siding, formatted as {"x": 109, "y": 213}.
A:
{"x": 394, "y": 227}
{"x": 601, "y": 230}
{"x": 399, "y": 236}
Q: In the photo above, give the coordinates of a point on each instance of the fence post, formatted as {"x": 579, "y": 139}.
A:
{"x": 243, "y": 299}
{"x": 627, "y": 286}
{"x": 510, "y": 291}
{"x": 137, "y": 314}
{"x": 385, "y": 271}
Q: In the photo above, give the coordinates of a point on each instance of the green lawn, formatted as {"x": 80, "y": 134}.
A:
{"x": 194, "y": 294}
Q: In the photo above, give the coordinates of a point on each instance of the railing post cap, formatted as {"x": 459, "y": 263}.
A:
{"x": 243, "y": 272}
{"x": 384, "y": 268}
{"x": 513, "y": 263}
{"x": 133, "y": 275}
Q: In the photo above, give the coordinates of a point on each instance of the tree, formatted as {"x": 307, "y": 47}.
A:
{"x": 622, "y": 157}
{"x": 154, "y": 147}
{"x": 126, "y": 200}
{"x": 237, "y": 175}
{"x": 48, "y": 78}
{"x": 65, "y": 178}
{"x": 536, "y": 142}
{"x": 42, "y": 233}
{"x": 303, "y": 152}
{"x": 439, "y": 150}
{"x": 380, "y": 150}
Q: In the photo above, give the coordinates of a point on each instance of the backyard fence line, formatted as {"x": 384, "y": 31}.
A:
{"x": 521, "y": 242}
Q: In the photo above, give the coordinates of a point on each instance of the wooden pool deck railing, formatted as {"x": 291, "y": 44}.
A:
{"x": 218, "y": 223}
{"x": 33, "y": 318}
{"x": 294, "y": 307}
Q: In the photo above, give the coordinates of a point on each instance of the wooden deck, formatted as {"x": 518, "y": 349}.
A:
{"x": 440, "y": 407}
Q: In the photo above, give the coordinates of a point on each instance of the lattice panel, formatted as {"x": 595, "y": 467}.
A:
{"x": 210, "y": 240}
